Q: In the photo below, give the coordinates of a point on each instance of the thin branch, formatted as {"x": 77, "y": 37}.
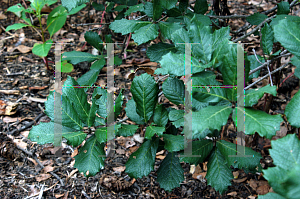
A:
{"x": 41, "y": 165}
{"x": 29, "y": 124}
{"x": 256, "y": 56}
{"x": 281, "y": 67}
{"x": 254, "y": 29}
{"x": 268, "y": 62}
{"x": 88, "y": 24}
{"x": 229, "y": 17}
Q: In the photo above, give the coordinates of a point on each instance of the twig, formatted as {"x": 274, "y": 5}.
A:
{"x": 254, "y": 29}
{"x": 281, "y": 67}
{"x": 262, "y": 63}
{"x": 228, "y": 17}
{"x": 268, "y": 62}
{"x": 41, "y": 192}
{"x": 41, "y": 165}
{"x": 256, "y": 56}
{"x": 123, "y": 120}
{"x": 29, "y": 124}
{"x": 88, "y": 24}
{"x": 286, "y": 79}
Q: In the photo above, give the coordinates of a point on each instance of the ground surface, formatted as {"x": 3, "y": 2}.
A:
{"x": 26, "y": 76}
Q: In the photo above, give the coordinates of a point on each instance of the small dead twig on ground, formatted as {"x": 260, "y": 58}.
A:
{"x": 29, "y": 124}
{"x": 39, "y": 163}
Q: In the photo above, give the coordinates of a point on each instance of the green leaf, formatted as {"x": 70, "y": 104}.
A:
{"x": 160, "y": 116}
{"x": 201, "y": 6}
{"x": 218, "y": 172}
{"x": 179, "y": 37}
{"x": 236, "y": 159}
{"x": 270, "y": 195}
{"x": 98, "y": 65}
{"x": 198, "y": 19}
{"x": 117, "y": 8}
{"x": 78, "y": 97}
{"x": 201, "y": 149}
{"x": 37, "y": 5}
{"x": 174, "y": 64}
{"x": 208, "y": 94}
{"x": 135, "y": 8}
{"x": 152, "y": 130}
{"x": 145, "y": 93}
{"x": 44, "y": 132}
{"x": 178, "y": 123}
{"x": 288, "y": 34}
{"x": 173, "y": 142}
{"x": 90, "y": 158}
{"x": 256, "y": 18}
{"x": 219, "y": 36}
{"x": 56, "y": 19}
{"x": 173, "y": 89}
{"x": 70, "y": 117}
{"x": 149, "y": 9}
{"x": 66, "y": 67}
{"x": 252, "y": 96}
{"x": 16, "y": 26}
{"x": 127, "y": 130}
{"x": 283, "y": 8}
{"x": 131, "y": 112}
{"x": 74, "y": 138}
{"x": 141, "y": 162}
{"x": 259, "y": 121}
{"x": 174, "y": 12}
{"x": 125, "y": 26}
{"x": 292, "y": 111}
{"x": 267, "y": 38}
{"x": 89, "y": 78}
{"x": 42, "y": 50}
{"x": 157, "y": 10}
{"x": 211, "y": 117}
{"x": 76, "y": 57}
{"x": 229, "y": 73}
{"x": 168, "y": 4}
{"x": 183, "y": 4}
{"x": 77, "y": 9}
{"x": 296, "y": 62}
{"x": 201, "y": 35}
{"x": 145, "y": 34}
{"x": 92, "y": 113}
{"x": 156, "y": 51}
{"x": 70, "y": 4}
{"x": 16, "y": 9}
{"x": 176, "y": 114}
{"x": 170, "y": 172}
{"x": 168, "y": 28}
{"x": 279, "y": 18}
{"x": 285, "y": 152}
{"x": 284, "y": 178}
{"x": 101, "y": 135}
{"x": 94, "y": 39}
{"x": 292, "y": 184}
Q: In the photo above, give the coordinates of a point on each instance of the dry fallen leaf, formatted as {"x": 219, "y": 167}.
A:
{"x": 42, "y": 177}
{"x": 240, "y": 180}
{"x": 119, "y": 169}
{"x": 24, "y": 49}
{"x": 2, "y": 16}
{"x": 48, "y": 168}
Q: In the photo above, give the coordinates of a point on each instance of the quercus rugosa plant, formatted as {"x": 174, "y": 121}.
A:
{"x": 213, "y": 54}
